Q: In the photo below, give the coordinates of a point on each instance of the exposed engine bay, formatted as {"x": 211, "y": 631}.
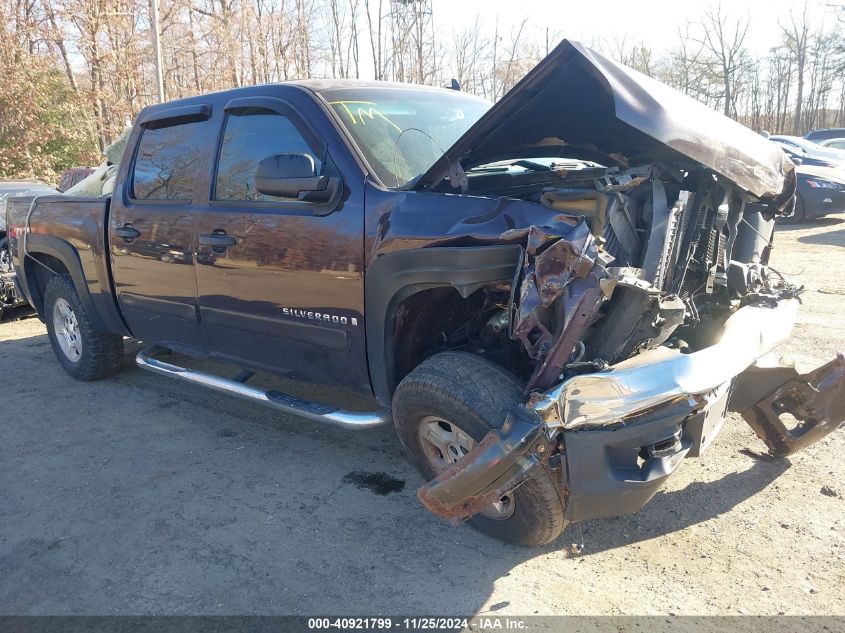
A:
{"x": 643, "y": 300}
{"x": 635, "y": 259}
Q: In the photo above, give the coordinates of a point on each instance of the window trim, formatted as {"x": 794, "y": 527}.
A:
{"x": 177, "y": 115}
{"x": 182, "y": 115}
{"x": 314, "y": 142}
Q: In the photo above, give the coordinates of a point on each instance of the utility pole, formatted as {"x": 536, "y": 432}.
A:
{"x": 157, "y": 50}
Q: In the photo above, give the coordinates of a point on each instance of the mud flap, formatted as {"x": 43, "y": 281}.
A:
{"x": 762, "y": 394}
{"x": 499, "y": 463}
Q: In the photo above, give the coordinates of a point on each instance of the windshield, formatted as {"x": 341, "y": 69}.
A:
{"x": 403, "y": 131}
{"x": 804, "y": 144}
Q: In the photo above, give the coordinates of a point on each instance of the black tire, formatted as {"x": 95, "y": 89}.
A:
{"x": 477, "y": 393}
{"x": 799, "y": 215}
{"x": 100, "y": 355}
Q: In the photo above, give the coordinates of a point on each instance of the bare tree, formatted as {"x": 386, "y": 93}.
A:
{"x": 797, "y": 40}
{"x": 723, "y": 40}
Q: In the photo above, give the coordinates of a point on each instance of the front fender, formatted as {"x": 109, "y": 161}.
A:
{"x": 394, "y": 277}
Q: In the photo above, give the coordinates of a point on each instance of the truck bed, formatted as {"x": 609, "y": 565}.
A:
{"x": 70, "y": 228}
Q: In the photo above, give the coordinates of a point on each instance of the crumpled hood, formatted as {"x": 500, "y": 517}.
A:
{"x": 577, "y": 97}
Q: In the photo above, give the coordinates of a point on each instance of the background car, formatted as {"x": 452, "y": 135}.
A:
{"x": 821, "y": 190}
{"x": 10, "y": 301}
{"x": 812, "y": 153}
{"x": 11, "y": 188}
{"x": 800, "y": 157}
{"x": 834, "y": 143}
{"x": 823, "y": 134}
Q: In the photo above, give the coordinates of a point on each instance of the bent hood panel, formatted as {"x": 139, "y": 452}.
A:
{"x": 578, "y": 97}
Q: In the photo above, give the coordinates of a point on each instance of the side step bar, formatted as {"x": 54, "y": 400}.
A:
{"x": 274, "y": 399}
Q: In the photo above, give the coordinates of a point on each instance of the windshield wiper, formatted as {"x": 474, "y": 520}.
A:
{"x": 504, "y": 165}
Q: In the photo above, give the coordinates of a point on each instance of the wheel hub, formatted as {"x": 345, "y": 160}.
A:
{"x": 67, "y": 331}
{"x": 445, "y": 443}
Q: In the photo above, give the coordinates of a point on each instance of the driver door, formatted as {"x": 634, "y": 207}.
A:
{"x": 280, "y": 280}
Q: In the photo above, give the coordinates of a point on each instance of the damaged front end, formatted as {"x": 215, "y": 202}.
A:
{"x": 644, "y": 306}
{"x": 644, "y": 299}
{"x": 637, "y": 365}
{"x": 613, "y": 429}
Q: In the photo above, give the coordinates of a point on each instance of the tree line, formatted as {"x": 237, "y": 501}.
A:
{"x": 75, "y": 72}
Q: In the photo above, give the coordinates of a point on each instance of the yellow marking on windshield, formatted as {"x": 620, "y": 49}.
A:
{"x": 371, "y": 112}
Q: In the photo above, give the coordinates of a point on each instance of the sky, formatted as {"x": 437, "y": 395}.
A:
{"x": 655, "y": 22}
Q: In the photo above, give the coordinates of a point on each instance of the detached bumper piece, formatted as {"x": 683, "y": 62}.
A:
{"x": 816, "y": 402}
{"x": 499, "y": 463}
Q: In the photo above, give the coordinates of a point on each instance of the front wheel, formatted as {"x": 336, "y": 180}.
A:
{"x": 442, "y": 409}
{"x": 85, "y": 353}
{"x": 799, "y": 215}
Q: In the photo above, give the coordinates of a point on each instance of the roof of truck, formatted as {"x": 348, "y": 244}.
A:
{"x": 316, "y": 86}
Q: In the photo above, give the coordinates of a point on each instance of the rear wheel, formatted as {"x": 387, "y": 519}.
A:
{"x": 85, "y": 353}
{"x": 442, "y": 409}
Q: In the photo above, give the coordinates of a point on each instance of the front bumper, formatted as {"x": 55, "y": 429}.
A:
{"x": 615, "y": 436}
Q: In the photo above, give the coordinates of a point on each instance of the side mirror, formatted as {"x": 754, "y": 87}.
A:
{"x": 294, "y": 176}
{"x": 797, "y": 160}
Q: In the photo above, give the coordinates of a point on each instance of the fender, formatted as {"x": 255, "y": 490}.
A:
{"x": 394, "y": 277}
{"x": 67, "y": 254}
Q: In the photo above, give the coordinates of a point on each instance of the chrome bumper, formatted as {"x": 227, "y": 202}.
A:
{"x": 662, "y": 376}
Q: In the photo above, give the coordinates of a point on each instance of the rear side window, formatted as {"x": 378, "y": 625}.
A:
{"x": 167, "y": 162}
{"x": 251, "y": 135}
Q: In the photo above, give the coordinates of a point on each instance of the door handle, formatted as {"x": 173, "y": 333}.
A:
{"x": 127, "y": 232}
{"x": 218, "y": 241}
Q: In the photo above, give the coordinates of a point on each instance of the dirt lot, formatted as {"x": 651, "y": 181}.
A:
{"x": 141, "y": 495}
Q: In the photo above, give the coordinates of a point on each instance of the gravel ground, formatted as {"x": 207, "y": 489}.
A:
{"x": 140, "y": 495}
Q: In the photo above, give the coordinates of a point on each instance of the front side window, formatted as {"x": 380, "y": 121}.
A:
{"x": 251, "y": 135}
{"x": 167, "y": 162}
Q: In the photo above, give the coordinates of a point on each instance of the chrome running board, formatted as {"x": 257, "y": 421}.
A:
{"x": 274, "y": 399}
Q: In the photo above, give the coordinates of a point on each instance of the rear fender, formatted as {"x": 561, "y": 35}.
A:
{"x": 65, "y": 253}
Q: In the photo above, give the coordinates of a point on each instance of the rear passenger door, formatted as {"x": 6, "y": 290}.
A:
{"x": 280, "y": 280}
{"x": 152, "y": 228}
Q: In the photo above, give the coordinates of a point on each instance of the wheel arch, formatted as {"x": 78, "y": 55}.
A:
{"x": 55, "y": 255}
{"x": 394, "y": 278}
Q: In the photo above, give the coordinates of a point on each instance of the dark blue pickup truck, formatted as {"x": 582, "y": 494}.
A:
{"x": 555, "y": 299}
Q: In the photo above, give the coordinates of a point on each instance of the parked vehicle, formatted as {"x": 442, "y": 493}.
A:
{"x": 549, "y": 342}
{"x": 821, "y": 190}
{"x": 74, "y": 175}
{"x": 799, "y": 157}
{"x": 823, "y": 134}
{"x": 12, "y": 302}
{"x": 834, "y": 143}
{"x": 811, "y": 152}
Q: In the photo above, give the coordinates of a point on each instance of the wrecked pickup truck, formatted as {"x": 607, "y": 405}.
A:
{"x": 554, "y": 299}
